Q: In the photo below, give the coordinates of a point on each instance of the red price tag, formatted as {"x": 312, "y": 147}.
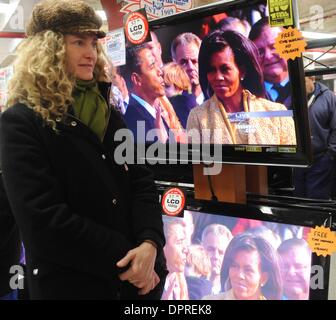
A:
{"x": 136, "y": 28}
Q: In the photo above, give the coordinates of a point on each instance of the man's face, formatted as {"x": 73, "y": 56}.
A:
{"x": 215, "y": 246}
{"x": 188, "y": 226}
{"x": 274, "y": 68}
{"x": 175, "y": 249}
{"x": 156, "y": 49}
{"x": 309, "y": 85}
{"x": 150, "y": 75}
{"x": 187, "y": 58}
{"x": 121, "y": 84}
{"x": 296, "y": 273}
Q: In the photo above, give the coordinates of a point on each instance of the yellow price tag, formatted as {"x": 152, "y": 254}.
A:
{"x": 290, "y": 44}
{"x": 322, "y": 241}
{"x": 280, "y": 13}
{"x": 253, "y": 149}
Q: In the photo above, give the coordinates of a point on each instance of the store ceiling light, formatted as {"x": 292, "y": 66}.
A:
{"x": 266, "y": 210}
{"x": 317, "y": 35}
{"x": 4, "y": 7}
{"x": 101, "y": 13}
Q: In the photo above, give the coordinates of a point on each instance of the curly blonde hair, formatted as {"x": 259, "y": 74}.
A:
{"x": 174, "y": 74}
{"x": 41, "y": 80}
{"x": 198, "y": 261}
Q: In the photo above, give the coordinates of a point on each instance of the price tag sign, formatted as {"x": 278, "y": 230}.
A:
{"x": 280, "y": 13}
{"x": 322, "y": 241}
{"x": 116, "y": 46}
{"x": 289, "y": 43}
{"x": 136, "y": 27}
{"x": 173, "y": 202}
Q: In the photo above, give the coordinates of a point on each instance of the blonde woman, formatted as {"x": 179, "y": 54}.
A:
{"x": 92, "y": 229}
{"x": 198, "y": 271}
{"x": 178, "y": 90}
{"x": 176, "y": 79}
{"x": 198, "y": 262}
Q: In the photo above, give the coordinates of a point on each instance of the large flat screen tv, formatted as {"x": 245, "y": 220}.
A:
{"x": 238, "y": 252}
{"x": 212, "y": 87}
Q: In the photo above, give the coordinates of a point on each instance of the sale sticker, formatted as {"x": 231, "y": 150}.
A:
{"x": 290, "y": 44}
{"x": 280, "y": 13}
{"x": 322, "y": 241}
{"x": 136, "y": 27}
{"x": 173, "y": 202}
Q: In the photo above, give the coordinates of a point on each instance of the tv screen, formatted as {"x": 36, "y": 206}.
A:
{"x": 234, "y": 252}
{"x": 210, "y": 85}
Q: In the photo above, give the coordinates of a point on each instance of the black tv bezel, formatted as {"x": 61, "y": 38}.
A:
{"x": 300, "y": 215}
{"x": 303, "y": 155}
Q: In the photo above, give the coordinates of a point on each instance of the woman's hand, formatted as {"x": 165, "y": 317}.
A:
{"x": 151, "y": 284}
{"x": 141, "y": 272}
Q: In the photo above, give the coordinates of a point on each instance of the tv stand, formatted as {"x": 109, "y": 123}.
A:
{"x": 231, "y": 184}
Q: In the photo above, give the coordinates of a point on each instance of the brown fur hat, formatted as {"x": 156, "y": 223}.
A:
{"x": 64, "y": 16}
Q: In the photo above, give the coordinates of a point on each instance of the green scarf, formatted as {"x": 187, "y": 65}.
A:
{"x": 90, "y": 106}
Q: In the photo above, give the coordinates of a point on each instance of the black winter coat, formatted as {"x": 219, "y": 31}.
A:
{"x": 322, "y": 121}
{"x": 78, "y": 211}
{"x": 10, "y": 243}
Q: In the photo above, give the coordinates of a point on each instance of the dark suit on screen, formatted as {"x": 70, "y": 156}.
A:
{"x": 182, "y": 105}
{"x": 135, "y": 113}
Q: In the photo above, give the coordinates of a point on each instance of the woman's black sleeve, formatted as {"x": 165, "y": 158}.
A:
{"x": 50, "y": 228}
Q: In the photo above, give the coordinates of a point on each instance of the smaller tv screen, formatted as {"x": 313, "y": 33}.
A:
{"x": 221, "y": 257}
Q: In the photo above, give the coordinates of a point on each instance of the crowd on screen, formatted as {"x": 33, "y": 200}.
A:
{"x": 224, "y": 258}
{"x": 229, "y": 67}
